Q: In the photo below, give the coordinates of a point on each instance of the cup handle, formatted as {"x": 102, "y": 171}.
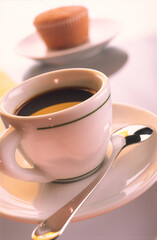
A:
{"x": 9, "y": 140}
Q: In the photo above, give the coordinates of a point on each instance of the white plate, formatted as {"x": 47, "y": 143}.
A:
{"x": 132, "y": 174}
{"x": 101, "y": 32}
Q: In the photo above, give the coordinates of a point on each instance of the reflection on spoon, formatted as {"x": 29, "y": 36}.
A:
{"x": 56, "y": 224}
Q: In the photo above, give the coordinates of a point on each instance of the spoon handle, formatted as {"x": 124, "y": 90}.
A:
{"x": 56, "y": 223}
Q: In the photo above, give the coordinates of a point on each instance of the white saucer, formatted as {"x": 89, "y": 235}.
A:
{"x": 132, "y": 174}
{"x": 101, "y": 32}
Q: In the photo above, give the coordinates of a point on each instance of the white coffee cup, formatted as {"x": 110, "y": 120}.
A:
{"x": 63, "y": 145}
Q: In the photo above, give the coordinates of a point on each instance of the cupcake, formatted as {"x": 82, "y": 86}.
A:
{"x": 63, "y": 27}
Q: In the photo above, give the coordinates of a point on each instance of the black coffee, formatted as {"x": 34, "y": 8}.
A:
{"x": 54, "y": 101}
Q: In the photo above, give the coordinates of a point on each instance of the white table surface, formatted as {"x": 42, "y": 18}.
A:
{"x": 130, "y": 62}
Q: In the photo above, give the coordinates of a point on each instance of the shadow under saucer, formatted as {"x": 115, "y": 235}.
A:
{"x": 109, "y": 61}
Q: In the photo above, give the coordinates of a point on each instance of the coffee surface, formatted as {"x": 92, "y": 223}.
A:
{"x": 53, "y": 101}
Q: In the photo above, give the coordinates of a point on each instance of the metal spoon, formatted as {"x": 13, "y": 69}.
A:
{"x": 56, "y": 224}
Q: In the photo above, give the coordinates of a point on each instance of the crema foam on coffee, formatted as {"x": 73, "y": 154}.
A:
{"x": 53, "y": 101}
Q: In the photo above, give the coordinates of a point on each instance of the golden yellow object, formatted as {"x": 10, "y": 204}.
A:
{"x": 6, "y": 83}
{"x": 47, "y": 236}
{"x": 124, "y": 133}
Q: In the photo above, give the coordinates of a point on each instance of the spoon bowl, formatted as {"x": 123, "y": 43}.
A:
{"x": 56, "y": 223}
